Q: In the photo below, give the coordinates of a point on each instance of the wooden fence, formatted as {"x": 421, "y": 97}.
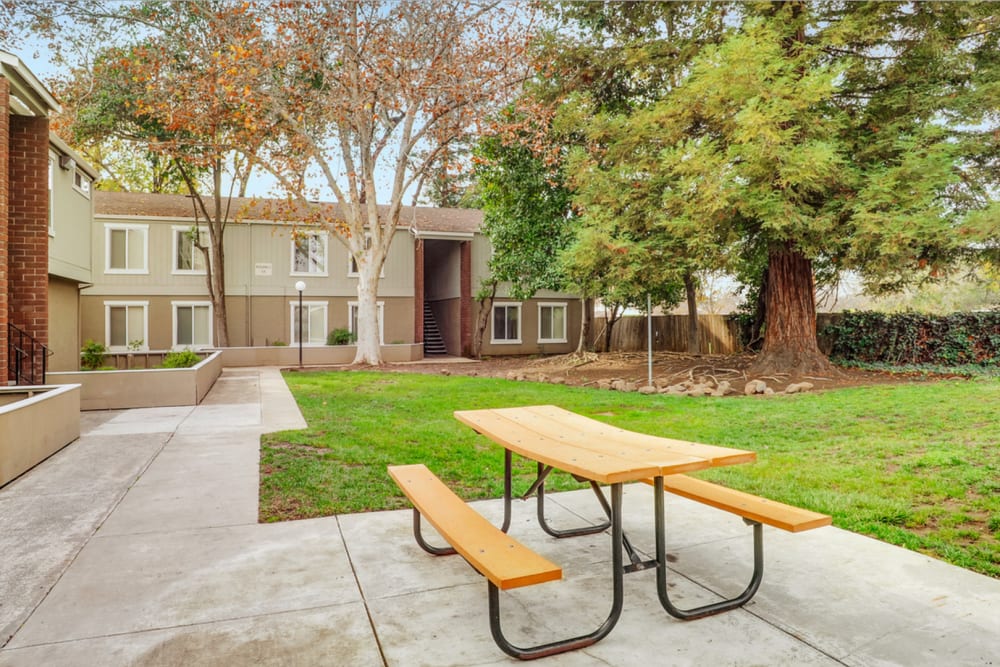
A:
{"x": 717, "y": 334}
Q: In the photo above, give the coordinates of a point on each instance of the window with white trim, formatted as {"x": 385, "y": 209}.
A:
{"x": 552, "y": 323}
{"x": 52, "y": 217}
{"x": 126, "y": 248}
{"x": 81, "y": 183}
{"x": 309, "y": 254}
{"x": 506, "y": 323}
{"x": 188, "y": 258}
{"x": 352, "y": 319}
{"x": 125, "y": 325}
{"x": 192, "y": 324}
{"x": 313, "y": 322}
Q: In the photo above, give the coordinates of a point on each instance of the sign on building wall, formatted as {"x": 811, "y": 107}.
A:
{"x": 262, "y": 269}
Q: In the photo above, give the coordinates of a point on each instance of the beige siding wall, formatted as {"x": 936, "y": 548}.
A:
{"x": 529, "y": 328}
{"x": 64, "y": 324}
{"x": 70, "y": 228}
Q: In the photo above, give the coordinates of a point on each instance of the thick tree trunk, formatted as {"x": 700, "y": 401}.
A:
{"x": 369, "y": 350}
{"x": 692, "y": 304}
{"x": 790, "y": 345}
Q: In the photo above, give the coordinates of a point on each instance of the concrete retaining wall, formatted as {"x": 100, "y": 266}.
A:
{"x": 148, "y": 388}
{"x": 46, "y": 419}
{"x": 324, "y": 355}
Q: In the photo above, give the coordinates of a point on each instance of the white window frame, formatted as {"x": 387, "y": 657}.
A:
{"x": 352, "y": 305}
{"x": 80, "y": 176}
{"x": 307, "y": 307}
{"x": 326, "y": 255}
{"x": 552, "y": 304}
{"x": 52, "y": 196}
{"x": 352, "y": 267}
{"x": 176, "y": 230}
{"x": 174, "y": 305}
{"x": 493, "y": 310}
{"x": 117, "y": 226}
{"x": 108, "y": 305}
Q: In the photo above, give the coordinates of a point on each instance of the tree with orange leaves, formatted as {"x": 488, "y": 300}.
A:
{"x": 349, "y": 93}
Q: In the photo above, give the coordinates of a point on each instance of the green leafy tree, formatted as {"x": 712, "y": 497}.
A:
{"x": 825, "y": 136}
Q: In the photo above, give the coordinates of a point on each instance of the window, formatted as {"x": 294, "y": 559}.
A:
{"x": 507, "y": 323}
{"x": 81, "y": 183}
{"x": 125, "y": 325}
{"x": 52, "y": 218}
{"x": 352, "y": 321}
{"x": 309, "y": 254}
{"x": 125, "y": 248}
{"x": 192, "y": 324}
{"x": 313, "y": 322}
{"x": 187, "y": 257}
{"x": 552, "y": 323}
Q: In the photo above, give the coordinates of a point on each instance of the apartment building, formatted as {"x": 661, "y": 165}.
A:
{"x": 149, "y": 286}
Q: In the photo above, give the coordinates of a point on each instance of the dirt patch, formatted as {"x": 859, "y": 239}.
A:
{"x": 669, "y": 369}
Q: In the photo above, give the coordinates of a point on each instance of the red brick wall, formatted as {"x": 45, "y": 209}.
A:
{"x": 28, "y": 226}
{"x": 4, "y": 140}
{"x": 465, "y": 276}
{"x": 418, "y": 291}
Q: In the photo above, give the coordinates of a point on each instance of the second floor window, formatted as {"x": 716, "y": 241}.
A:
{"x": 309, "y": 254}
{"x": 187, "y": 257}
{"x": 126, "y": 248}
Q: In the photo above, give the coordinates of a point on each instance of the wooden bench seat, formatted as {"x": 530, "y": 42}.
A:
{"x": 748, "y": 506}
{"x": 497, "y": 556}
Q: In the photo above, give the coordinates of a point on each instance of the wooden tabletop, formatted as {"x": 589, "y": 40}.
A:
{"x": 589, "y": 448}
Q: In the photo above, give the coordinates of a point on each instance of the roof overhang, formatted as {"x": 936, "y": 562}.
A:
{"x": 442, "y": 236}
{"x": 28, "y": 96}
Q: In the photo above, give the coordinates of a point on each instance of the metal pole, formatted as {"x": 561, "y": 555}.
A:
{"x": 300, "y": 329}
{"x": 649, "y": 336}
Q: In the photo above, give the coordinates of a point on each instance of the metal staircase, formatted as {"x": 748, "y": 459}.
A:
{"x": 433, "y": 342}
{"x": 26, "y": 357}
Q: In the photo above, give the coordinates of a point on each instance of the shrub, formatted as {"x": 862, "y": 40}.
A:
{"x": 279, "y": 343}
{"x": 915, "y": 338}
{"x": 181, "y": 359}
{"x": 92, "y": 355}
{"x": 341, "y": 337}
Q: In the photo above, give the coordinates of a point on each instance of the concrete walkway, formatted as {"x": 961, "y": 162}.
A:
{"x": 139, "y": 545}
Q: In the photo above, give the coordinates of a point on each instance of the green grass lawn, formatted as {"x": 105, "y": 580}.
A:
{"x": 916, "y": 465}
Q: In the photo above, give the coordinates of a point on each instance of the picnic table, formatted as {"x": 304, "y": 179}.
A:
{"x": 599, "y": 454}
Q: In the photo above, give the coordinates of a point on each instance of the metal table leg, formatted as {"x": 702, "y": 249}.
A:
{"x": 617, "y": 571}
{"x": 661, "y": 566}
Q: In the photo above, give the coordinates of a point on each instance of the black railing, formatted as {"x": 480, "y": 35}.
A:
{"x": 27, "y": 359}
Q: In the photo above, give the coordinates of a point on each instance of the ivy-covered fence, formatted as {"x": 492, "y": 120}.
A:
{"x": 914, "y": 338}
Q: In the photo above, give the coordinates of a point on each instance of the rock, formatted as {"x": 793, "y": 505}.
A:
{"x": 558, "y": 380}
{"x": 661, "y": 384}
{"x": 768, "y": 391}
{"x": 796, "y": 388}
{"x": 618, "y": 385}
{"x": 630, "y": 386}
{"x": 542, "y": 377}
{"x": 604, "y": 384}
{"x": 511, "y": 375}
{"x": 445, "y": 372}
{"x": 723, "y": 388}
{"x": 647, "y": 390}
{"x": 755, "y": 387}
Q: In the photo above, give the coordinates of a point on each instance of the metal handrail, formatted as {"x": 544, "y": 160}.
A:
{"x": 25, "y": 349}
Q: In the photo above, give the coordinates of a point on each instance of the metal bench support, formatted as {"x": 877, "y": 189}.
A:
{"x": 543, "y": 650}
{"x": 661, "y": 567}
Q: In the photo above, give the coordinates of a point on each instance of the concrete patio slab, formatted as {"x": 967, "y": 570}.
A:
{"x": 138, "y": 545}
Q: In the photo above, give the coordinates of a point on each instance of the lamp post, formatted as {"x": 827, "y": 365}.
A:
{"x": 300, "y": 286}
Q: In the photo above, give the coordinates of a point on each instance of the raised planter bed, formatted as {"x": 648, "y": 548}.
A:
{"x": 35, "y": 422}
{"x": 143, "y": 388}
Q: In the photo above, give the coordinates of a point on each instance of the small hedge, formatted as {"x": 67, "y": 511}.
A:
{"x": 914, "y": 338}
